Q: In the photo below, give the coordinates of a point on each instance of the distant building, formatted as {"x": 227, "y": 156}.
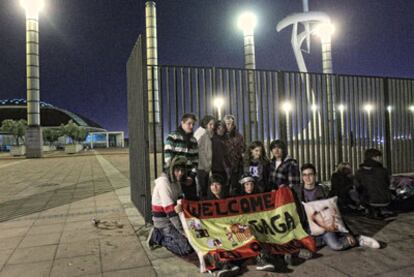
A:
{"x": 53, "y": 117}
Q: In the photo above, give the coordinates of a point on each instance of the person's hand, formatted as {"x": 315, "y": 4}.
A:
{"x": 189, "y": 181}
{"x": 178, "y": 208}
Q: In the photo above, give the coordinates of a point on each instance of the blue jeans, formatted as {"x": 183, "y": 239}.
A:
{"x": 336, "y": 241}
{"x": 173, "y": 240}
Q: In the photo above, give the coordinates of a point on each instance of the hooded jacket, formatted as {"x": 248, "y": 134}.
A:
{"x": 373, "y": 180}
{"x": 205, "y": 150}
{"x": 164, "y": 197}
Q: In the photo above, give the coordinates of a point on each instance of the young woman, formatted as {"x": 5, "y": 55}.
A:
{"x": 258, "y": 165}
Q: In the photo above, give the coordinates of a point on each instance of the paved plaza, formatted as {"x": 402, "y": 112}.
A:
{"x": 47, "y": 207}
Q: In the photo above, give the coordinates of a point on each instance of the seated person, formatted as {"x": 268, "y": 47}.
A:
{"x": 167, "y": 230}
{"x": 374, "y": 182}
{"x": 311, "y": 191}
{"x": 342, "y": 185}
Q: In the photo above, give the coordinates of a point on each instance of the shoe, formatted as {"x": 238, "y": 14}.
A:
{"x": 305, "y": 254}
{"x": 262, "y": 264}
{"x": 228, "y": 270}
{"x": 368, "y": 242}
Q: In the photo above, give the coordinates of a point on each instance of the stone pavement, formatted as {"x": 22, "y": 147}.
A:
{"x": 46, "y": 211}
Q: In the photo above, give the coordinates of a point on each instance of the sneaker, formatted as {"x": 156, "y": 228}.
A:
{"x": 262, "y": 264}
{"x": 368, "y": 242}
{"x": 305, "y": 254}
{"x": 228, "y": 270}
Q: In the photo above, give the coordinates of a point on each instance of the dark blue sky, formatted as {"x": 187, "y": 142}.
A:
{"x": 84, "y": 45}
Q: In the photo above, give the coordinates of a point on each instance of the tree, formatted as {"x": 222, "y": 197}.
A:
{"x": 75, "y": 132}
{"x": 17, "y": 128}
{"x": 51, "y": 135}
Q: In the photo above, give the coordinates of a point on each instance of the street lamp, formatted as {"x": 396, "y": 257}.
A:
{"x": 34, "y": 140}
{"x": 218, "y": 103}
{"x": 411, "y": 108}
{"x": 247, "y": 22}
{"x": 369, "y": 108}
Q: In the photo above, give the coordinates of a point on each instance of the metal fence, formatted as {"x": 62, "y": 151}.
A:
{"x": 324, "y": 118}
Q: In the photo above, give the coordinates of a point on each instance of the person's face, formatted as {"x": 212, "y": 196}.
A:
{"x": 229, "y": 125}
{"x": 347, "y": 169}
{"x": 210, "y": 127}
{"x": 215, "y": 188}
{"x": 308, "y": 177}
{"x": 256, "y": 152}
{"x": 277, "y": 153}
{"x": 377, "y": 158}
{"x": 248, "y": 187}
{"x": 187, "y": 125}
{"x": 220, "y": 130}
{"x": 179, "y": 173}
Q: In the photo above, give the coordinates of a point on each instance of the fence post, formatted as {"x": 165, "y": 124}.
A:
{"x": 388, "y": 138}
{"x": 338, "y": 121}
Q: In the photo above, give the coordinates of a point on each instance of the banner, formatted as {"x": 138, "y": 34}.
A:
{"x": 240, "y": 227}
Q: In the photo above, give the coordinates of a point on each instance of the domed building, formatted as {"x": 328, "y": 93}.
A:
{"x": 52, "y": 117}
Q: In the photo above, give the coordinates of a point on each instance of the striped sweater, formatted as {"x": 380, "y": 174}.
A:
{"x": 179, "y": 143}
{"x": 164, "y": 199}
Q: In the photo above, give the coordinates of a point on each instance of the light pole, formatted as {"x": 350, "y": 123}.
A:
{"x": 34, "y": 139}
{"x": 369, "y": 108}
{"x": 247, "y": 22}
{"x": 287, "y": 108}
{"x": 218, "y": 103}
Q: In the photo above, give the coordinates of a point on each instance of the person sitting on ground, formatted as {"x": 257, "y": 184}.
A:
{"x": 204, "y": 135}
{"x": 220, "y": 164}
{"x": 248, "y": 186}
{"x": 167, "y": 230}
{"x": 216, "y": 192}
{"x": 374, "y": 182}
{"x": 182, "y": 143}
{"x": 309, "y": 191}
{"x": 285, "y": 169}
{"x": 342, "y": 185}
{"x": 257, "y": 165}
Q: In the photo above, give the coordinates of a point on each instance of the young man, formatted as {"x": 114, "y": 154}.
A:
{"x": 309, "y": 191}
{"x": 285, "y": 169}
{"x": 204, "y": 136}
{"x": 373, "y": 180}
{"x": 235, "y": 149}
{"x": 167, "y": 230}
{"x": 182, "y": 143}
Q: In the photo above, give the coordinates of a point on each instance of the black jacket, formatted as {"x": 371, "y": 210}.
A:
{"x": 373, "y": 180}
{"x": 341, "y": 184}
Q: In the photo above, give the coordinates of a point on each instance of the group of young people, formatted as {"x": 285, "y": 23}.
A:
{"x": 213, "y": 163}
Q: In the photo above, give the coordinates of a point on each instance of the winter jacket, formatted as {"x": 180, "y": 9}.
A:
{"x": 373, "y": 180}
{"x": 235, "y": 149}
{"x": 205, "y": 149}
{"x": 164, "y": 198}
{"x": 260, "y": 170}
{"x": 220, "y": 161}
{"x": 287, "y": 173}
{"x": 179, "y": 143}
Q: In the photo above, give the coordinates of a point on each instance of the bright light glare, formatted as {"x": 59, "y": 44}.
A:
{"x": 32, "y": 7}
{"x": 218, "y": 102}
{"x": 287, "y": 106}
{"x": 411, "y": 108}
{"x": 324, "y": 30}
{"x": 389, "y": 108}
{"x": 314, "y": 108}
{"x": 368, "y": 108}
{"x": 341, "y": 107}
{"x": 247, "y": 22}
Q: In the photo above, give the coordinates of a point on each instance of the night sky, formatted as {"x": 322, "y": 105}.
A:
{"x": 85, "y": 44}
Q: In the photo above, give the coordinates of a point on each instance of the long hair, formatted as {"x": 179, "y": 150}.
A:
{"x": 248, "y": 155}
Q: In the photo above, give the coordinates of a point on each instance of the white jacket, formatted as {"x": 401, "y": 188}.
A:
{"x": 205, "y": 149}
